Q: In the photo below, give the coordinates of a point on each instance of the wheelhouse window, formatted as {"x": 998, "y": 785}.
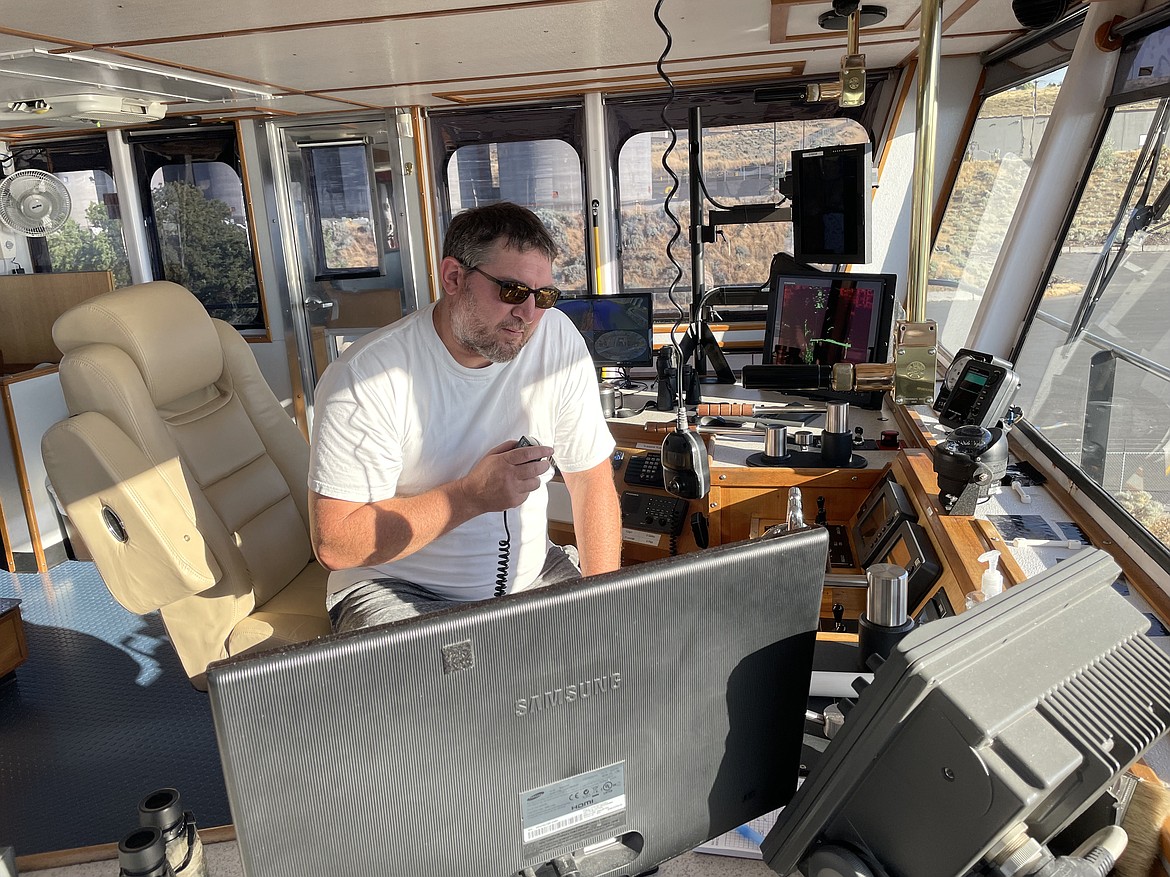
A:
{"x": 748, "y": 136}
{"x": 197, "y": 220}
{"x": 742, "y": 164}
{"x": 530, "y": 156}
{"x": 91, "y": 238}
{"x": 995, "y": 166}
{"x": 1098, "y": 343}
{"x": 341, "y": 194}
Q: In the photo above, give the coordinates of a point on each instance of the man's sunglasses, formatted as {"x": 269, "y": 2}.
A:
{"x": 514, "y": 293}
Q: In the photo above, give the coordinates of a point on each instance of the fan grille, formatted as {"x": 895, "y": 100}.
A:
{"x": 34, "y": 202}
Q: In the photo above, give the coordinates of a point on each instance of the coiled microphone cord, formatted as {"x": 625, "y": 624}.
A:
{"x": 502, "y": 566}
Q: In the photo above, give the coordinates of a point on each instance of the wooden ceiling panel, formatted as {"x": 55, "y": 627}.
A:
{"x": 431, "y": 52}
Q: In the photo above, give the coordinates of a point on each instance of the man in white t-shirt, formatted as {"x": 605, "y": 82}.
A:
{"x": 418, "y": 493}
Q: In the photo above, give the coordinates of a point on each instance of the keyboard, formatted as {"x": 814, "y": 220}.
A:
{"x": 645, "y": 470}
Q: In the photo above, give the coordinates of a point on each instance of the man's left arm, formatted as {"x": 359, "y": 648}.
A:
{"x": 596, "y": 518}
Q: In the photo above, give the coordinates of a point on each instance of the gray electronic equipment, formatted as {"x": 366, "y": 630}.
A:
{"x": 600, "y": 726}
{"x": 977, "y": 390}
{"x": 1010, "y": 719}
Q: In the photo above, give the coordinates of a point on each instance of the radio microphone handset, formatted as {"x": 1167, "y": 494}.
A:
{"x": 685, "y": 470}
{"x": 505, "y": 544}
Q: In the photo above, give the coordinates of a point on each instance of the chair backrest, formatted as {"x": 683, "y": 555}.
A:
{"x": 182, "y": 471}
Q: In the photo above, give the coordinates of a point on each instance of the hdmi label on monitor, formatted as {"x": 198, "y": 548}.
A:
{"x": 574, "y": 809}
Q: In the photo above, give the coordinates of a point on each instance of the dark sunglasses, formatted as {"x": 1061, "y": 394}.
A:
{"x": 514, "y": 293}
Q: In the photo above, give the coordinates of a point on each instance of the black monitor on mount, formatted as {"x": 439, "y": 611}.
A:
{"x": 831, "y": 204}
{"x": 610, "y": 723}
{"x": 618, "y": 329}
{"x": 826, "y": 317}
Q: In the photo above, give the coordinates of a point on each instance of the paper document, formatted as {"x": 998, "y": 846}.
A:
{"x": 735, "y": 843}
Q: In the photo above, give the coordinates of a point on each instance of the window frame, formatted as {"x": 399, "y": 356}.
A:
{"x": 1096, "y": 494}
{"x": 232, "y": 155}
{"x": 633, "y": 114}
{"x": 451, "y": 130}
{"x": 309, "y": 150}
{"x": 69, "y": 152}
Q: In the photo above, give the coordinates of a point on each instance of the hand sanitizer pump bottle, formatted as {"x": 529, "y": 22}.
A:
{"x": 991, "y": 585}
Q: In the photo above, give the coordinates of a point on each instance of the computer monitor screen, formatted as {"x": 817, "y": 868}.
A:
{"x": 618, "y": 329}
{"x": 831, "y": 204}
{"x": 618, "y": 721}
{"x": 822, "y": 318}
{"x": 1018, "y": 713}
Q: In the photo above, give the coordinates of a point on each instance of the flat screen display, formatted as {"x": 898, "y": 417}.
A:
{"x": 831, "y": 204}
{"x": 618, "y": 329}
{"x": 822, "y": 318}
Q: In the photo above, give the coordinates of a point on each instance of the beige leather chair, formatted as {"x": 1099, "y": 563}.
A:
{"x": 184, "y": 476}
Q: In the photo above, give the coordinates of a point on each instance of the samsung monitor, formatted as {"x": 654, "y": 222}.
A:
{"x": 827, "y": 317}
{"x": 985, "y": 735}
{"x": 831, "y": 204}
{"x": 618, "y": 329}
{"x": 609, "y": 724}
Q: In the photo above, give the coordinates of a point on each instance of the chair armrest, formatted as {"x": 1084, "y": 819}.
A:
{"x": 106, "y": 485}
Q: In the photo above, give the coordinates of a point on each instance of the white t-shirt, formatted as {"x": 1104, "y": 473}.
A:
{"x": 396, "y": 415}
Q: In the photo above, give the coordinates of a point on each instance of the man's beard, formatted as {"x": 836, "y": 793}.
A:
{"x": 474, "y": 334}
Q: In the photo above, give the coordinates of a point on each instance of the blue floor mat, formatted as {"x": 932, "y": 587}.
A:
{"x": 99, "y": 715}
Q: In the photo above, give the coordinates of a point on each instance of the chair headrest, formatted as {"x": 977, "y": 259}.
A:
{"x": 160, "y": 325}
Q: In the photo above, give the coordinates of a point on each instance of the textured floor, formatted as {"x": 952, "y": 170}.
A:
{"x": 99, "y": 715}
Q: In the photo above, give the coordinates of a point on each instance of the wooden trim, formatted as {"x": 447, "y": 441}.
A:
{"x": 633, "y": 82}
{"x": 778, "y": 22}
{"x": 105, "y": 852}
{"x": 426, "y": 191}
{"x": 26, "y": 499}
{"x": 957, "y": 539}
{"x": 9, "y": 558}
{"x": 910, "y": 427}
{"x": 738, "y": 494}
{"x": 1137, "y": 577}
{"x": 896, "y": 114}
{"x": 946, "y": 190}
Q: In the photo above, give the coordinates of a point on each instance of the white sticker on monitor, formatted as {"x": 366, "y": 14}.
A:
{"x": 584, "y": 804}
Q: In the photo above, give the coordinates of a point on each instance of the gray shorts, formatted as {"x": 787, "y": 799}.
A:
{"x": 380, "y": 601}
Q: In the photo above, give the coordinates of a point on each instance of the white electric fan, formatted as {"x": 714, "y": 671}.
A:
{"x": 34, "y": 202}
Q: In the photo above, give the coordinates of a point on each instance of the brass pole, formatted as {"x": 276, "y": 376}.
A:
{"x": 922, "y": 188}
{"x": 915, "y": 341}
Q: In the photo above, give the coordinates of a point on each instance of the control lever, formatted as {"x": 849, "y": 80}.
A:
{"x": 838, "y": 618}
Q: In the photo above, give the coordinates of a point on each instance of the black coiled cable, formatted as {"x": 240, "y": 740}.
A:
{"x": 502, "y": 565}
{"x": 670, "y": 192}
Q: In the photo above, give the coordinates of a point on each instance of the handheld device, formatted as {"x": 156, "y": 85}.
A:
{"x": 684, "y": 465}
{"x": 527, "y": 441}
{"x": 980, "y": 394}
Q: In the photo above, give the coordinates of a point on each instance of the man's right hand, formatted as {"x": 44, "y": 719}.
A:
{"x": 505, "y": 476}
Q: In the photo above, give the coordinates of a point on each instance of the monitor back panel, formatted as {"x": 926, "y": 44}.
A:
{"x": 661, "y": 704}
